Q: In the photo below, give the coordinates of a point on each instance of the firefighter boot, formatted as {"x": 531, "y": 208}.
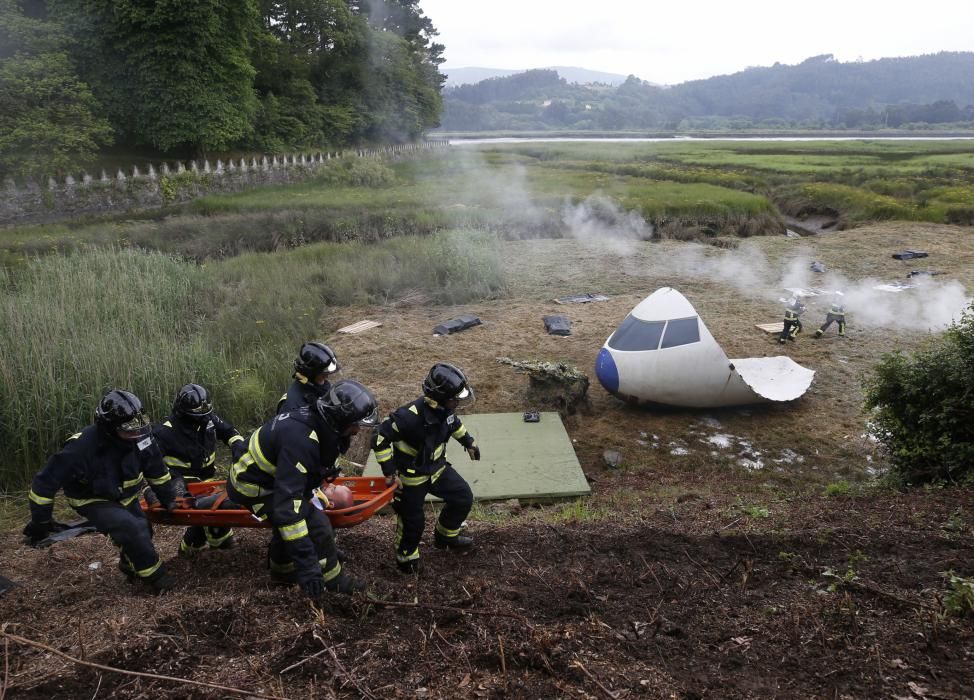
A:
{"x": 343, "y": 583}
{"x": 818, "y": 333}
{"x": 413, "y": 566}
{"x": 127, "y": 569}
{"x": 458, "y": 542}
{"x": 161, "y": 581}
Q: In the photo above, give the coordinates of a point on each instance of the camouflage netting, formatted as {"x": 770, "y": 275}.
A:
{"x": 553, "y": 384}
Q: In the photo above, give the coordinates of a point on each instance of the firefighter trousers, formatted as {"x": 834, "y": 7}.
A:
{"x": 128, "y": 530}
{"x": 829, "y": 320}
{"x": 411, "y": 520}
{"x": 790, "y": 330}
{"x": 319, "y": 530}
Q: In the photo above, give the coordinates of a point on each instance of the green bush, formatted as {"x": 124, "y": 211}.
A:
{"x": 923, "y": 407}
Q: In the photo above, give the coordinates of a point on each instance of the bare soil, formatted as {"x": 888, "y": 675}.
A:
{"x": 710, "y": 564}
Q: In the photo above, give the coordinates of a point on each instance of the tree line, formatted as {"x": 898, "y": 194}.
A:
{"x": 191, "y": 77}
{"x": 818, "y": 93}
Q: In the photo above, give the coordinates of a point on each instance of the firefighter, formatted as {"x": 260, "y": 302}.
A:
{"x": 836, "y": 314}
{"x": 288, "y": 459}
{"x": 187, "y": 438}
{"x": 312, "y": 367}
{"x": 792, "y": 324}
{"x": 410, "y": 446}
{"x": 101, "y": 470}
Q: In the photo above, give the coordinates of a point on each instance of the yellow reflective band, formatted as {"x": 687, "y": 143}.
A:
{"x": 247, "y": 489}
{"x": 175, "y": 462}
{"x": 297, "y": 505}
{"x": 167, "y": 424}
{"x": 129, "y": 500}
{"x": 257, "y": 507}
{"x": 161, "y": 480}
{"x": 259, "y": 459}
{"x": 413, "y": 409}
{"x": 384, "y": 455}
{"x": 146, "y": 573}
{"x": 235, "y": 438}
{"x": 332, "y": 573}
{"x": 313, "y": 436}
{"x": 296, "y": 531}
{"x": 78, "y": 502}
{"x": 132, "y": 482}
{"x": 413, "y": 480}
{"x": 189, "y": 548}
{"x": 445, "y": 532}
{"x": 438, "y": 452}
{"x": 74, "y": 437}
{"x": 40, "y": 500}
{"x": 217, "y": 541}
{"x": 211, "y": 459}
{"x": 287, "y": 568}
{"x": 403, "y": 446}
{"x": 408, "y": 557}
{"x": 438, "y": 474}
{"x": 460, "y": 432}
{"x": 300, "y": 467}
{"x": 395, "y": 427}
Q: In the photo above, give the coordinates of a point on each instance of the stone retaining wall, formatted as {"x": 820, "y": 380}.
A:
{"x": 136, "y": 190}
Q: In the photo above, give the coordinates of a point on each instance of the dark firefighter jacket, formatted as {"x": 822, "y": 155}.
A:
{"x": 301, "y": 393}
{"x": 837, "y": 310}
{"x": 191, "y": 447}
{"x": 793, "y": 312}
{"x": 93, "y": 466}
{"x": 412, "y": 441}
{"x": 289, "y": 456}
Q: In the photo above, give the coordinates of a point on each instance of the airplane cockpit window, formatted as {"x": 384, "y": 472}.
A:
{"x": 634, "y": 335}
{"x": 681, "y": 331}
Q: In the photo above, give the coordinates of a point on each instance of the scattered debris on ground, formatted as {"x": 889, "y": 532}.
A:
{"x": 554, "y": 384}
{"x": 455, "y": 325}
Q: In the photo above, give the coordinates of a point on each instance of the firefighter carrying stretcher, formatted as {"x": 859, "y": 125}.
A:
{"x": 187, "y": 438}
{"x": 312, "y": 367}
{"x": 288, "y": 458}
{"x": 410, "y": 446}
{"x": 101, "y": 471}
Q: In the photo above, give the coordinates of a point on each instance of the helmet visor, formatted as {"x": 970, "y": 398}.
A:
{"x": 369, "y": 420}
{"x": 201, "y": 411}
{"x": 466, "y": 397}
{"x": 134, "y": 428}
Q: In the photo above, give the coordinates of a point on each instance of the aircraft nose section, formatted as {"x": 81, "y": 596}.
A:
{"x": 606, "y": 371}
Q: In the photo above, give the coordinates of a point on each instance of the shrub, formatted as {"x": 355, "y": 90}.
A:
{"x": 924, "y": 413}
{"x": 959, "y": 600}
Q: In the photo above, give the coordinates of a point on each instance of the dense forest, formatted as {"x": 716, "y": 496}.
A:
{"x": 932, "y": 91}
{"x": 190, "y": 77}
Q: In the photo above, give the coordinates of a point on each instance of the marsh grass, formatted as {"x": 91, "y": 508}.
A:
{"x": 79, "y": 324}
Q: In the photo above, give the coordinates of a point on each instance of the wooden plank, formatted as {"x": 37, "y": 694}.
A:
{"x": 359, "y": 327}
{"x": 520, "y": 460}
{"x": 770, "y": 327}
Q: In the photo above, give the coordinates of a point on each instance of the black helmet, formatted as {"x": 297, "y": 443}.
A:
{"x": 121, "y": 411}
{"x": 445, "y": 382}
{"x": 348, "y": 403}
{"x": 193, "y": 402}
{"x": 314, "y": 359}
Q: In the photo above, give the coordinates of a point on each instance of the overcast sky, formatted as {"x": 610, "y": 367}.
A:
{"x": 673, "y": 42}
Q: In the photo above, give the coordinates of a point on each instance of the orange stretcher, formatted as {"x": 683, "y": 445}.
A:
{"x": 370, "y": 494}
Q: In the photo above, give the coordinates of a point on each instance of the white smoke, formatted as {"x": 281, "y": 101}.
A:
{"x": 600, "y": 223}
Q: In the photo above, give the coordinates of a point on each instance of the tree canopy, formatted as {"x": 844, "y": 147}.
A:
{"x": 187, "y": 77}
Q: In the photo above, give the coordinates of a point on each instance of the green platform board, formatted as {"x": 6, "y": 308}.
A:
{"x": 531, "y": 461}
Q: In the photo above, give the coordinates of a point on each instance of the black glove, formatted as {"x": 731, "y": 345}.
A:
{"x": 474, "y": 453}
{"x": 36, "y": 531}
{"x": 313, "y": 586}
{"x": 238, "y": 449}
{"x": 167, "y": 493}
{"x": 178, "y": 484}
{"x": 332, "y": 473}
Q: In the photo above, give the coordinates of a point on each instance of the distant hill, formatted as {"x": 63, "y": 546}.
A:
{"x": 933, "y": 91}
{"x": 582, "y": 76}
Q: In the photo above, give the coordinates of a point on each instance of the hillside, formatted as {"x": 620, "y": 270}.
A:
{"x": 932, "y": 91}
{"x": 582, "y": 76}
